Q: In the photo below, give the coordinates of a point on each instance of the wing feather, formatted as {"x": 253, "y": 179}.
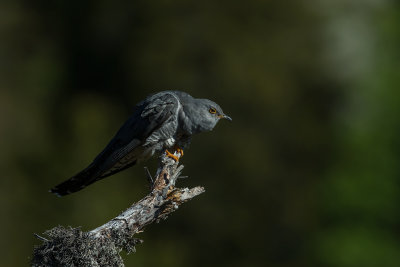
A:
{"x": 126, "y": 147}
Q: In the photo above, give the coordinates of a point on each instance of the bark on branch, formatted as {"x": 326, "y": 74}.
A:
{"x": 101, "y": 246}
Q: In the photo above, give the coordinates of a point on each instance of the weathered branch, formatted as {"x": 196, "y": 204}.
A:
{"x": 101, "y": 246}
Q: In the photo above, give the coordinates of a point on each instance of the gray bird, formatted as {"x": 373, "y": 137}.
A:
{"x": 165, "y": 120}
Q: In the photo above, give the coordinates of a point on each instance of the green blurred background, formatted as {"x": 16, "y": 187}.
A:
{"x": 306, "y": 175}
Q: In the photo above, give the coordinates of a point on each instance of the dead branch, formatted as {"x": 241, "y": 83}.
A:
{"x": 101, "y": 246}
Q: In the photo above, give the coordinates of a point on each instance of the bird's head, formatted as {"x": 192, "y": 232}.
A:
{"x": 205, "y": 114}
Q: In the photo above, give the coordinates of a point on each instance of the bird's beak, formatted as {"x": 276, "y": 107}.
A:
{"x": 225, "y": 117}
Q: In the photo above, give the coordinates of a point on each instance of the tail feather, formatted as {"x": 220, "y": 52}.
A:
{"x": 75, "y": 183}
{"x": 86, "y": 177}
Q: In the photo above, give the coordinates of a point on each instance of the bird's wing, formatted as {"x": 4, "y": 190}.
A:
{"x": 126, "y": 147}
{"x": 148, "y": 118}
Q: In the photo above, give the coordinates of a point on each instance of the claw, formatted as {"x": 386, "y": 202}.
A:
{"x": 170, "y": 155}
{"x": 180, "y": 151}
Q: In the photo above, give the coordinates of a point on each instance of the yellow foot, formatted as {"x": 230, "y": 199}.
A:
{"x": 170, "y": 155}
{"x": 180, "y": 151}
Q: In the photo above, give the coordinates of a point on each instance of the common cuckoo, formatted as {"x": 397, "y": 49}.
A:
{"x": 162, "y": 122}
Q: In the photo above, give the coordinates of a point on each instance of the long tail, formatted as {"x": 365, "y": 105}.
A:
{"x": 86, "y": 177}
{"x": 77, "y": 182}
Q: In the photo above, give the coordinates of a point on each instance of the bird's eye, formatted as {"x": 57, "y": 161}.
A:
{"x": 212, "y": 110}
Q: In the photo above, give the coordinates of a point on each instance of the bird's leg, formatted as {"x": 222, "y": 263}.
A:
{"x": 170, "y": 155}
{"x": 175, "y": 156}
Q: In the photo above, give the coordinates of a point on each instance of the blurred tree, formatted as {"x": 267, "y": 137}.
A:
{"x": 312, "y": 90}
{"x": 360, "y": 197}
